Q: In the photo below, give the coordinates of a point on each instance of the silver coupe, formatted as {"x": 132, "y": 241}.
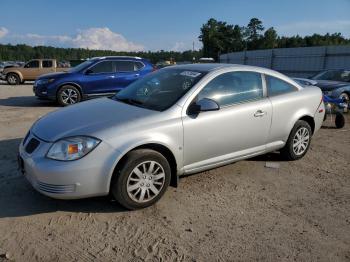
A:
{"x": 175, "y": 121}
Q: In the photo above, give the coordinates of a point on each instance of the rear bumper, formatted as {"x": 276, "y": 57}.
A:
{"x": 319, "y": 116}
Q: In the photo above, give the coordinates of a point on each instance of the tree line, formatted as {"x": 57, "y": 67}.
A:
{"x": 25, "y": 52}
{"x": 217, "y": 37}
{"x": 220, "y": 37}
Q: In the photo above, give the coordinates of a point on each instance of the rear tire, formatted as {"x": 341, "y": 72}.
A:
{"x": 298, "y": 142}
{"x": 13, "y": 79}
{"x": 68, "y": 95}
{"x": 141, "y": 180}
{"x": 339, "y": 120}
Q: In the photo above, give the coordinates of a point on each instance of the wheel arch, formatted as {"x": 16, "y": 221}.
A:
{"x": 310, "y": 120}
{"x": 160, "y": 148}
{"x": 70, "y": 84}
{"x": 16, "y": 72}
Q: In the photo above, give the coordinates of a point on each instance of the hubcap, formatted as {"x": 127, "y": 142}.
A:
{"x": 301, "y": 141}
{"x": 12, "y": 79}
{"x": 69, "y": 96}
{"x": 345, "y": 97}
{"x": 145, "y": 181}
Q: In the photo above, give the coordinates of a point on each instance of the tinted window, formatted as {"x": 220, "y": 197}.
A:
{"x": 82, "y": 66}
{"x": 125, "y": 66}
{"x": 102, "y": 67}
{"x": 32, "y": 64}
{"x": 335, "y": 75}
{"x": 138, "y": 66}
{"x": 277, "y": 86}
{"x": 233, "y": 87}
{"x": 161, "y": 89}
{"x": 47, "y": 63}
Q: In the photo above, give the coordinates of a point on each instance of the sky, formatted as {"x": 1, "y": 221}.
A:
{"x": 123, "y": 25}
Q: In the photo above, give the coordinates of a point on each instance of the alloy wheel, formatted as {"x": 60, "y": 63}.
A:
{"x": 301, "y": 141}
{"x": 145, "y": 181}
{"x": 69, "y": 96}
{"x": 12, "y": 79}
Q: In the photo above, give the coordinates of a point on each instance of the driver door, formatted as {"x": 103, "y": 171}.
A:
{"x": 100, "y": 78}
{"x": 31, "y": 70}
{"x": 240, "y": 128}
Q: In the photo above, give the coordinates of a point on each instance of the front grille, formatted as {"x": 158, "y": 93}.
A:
{"x": 25, "y": 138}
{"x": 32, "y": 145}
{"x": 55, "y": 189}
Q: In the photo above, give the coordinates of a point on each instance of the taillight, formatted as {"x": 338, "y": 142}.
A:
{"x": 320, "y": 110}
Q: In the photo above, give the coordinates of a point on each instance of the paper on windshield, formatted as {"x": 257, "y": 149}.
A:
{"x": 190, "y": 73}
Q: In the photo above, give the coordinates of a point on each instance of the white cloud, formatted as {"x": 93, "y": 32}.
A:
{"x": 178, "y": 47}
{"x": 103, "y": 38}
{"x": 3, "y": 32}
{"x": 311, "y": 27}
{"x": 92, "y": 38}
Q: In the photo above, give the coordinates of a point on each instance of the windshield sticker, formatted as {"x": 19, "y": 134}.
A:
{"x": 190, "y": 73}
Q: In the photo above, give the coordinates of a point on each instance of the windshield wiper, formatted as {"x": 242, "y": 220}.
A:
{"x": 129, "y": 101}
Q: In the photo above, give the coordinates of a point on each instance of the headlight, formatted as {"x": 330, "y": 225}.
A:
{"x": 44, "y": 81}
{"x": 72, "y": 148}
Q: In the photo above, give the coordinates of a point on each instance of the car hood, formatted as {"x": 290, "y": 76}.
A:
{"x": 327, "y": 85}
{"x": 89, "y": 118}
{"x": 53, "y": 75}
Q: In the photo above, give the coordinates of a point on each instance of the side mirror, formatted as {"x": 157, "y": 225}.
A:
{"x": 88, "y": 72}
{"x": 203, "y": 105}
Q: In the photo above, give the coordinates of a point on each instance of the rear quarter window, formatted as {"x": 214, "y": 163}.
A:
{"x": 276, "y": 86}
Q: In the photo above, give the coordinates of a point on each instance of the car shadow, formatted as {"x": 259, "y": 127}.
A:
{"x": 27, "y": 83}
{"x": 18, "y": 198}
{"x": 269, "y": 157}
{"x": 329, "y": 127}
{"x": 26, "y": 101}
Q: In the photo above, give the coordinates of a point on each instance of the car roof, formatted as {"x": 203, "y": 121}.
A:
{"x": 116, "y": 57}
{"x": 218, "y": 66}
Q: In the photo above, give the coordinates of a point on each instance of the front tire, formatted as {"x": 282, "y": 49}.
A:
{"x": 298, "y": 142}
{"x": 142, "y": 179}
{"x": 13, "y": 79}
{"x": 68, "y": 95}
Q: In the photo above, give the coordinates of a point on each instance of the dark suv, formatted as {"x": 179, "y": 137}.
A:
{"x": 94, "y": 77}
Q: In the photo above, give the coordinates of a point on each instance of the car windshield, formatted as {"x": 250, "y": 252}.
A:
{"x": 335, "y": 75}
{"x": 161, "y": 89}
{"x": 81, "y": 66}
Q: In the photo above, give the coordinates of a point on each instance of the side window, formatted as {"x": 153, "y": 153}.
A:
{"x": 277, "y": 86}
{"x": 233, "y": 87}
{"x": 32, "y": 64}
{"x": 47, "y": 63}
{"x": 345, "y": 76}
{"x": 102, "y": 67}
{"x": 125, "y": 66}
{"x": 138, "y": 66}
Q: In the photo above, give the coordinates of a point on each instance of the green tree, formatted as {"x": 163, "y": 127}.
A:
{"x": 218, "y": 37}
{"x": 270, "y": 39}
{"x": 253, "y": 33}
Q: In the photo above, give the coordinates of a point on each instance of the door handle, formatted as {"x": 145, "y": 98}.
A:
{"x": 259, "y": 113}
{"x": 111, "y": 76}
{"x": 137, "y": 75}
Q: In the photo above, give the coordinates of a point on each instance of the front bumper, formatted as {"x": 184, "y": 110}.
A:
{"x": 86, "y": 177}
{"x": 2, "y": 76}
{"x": 40, "y": 90}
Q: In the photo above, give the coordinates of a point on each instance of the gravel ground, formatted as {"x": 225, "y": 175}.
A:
{"x": 299, "y": 211}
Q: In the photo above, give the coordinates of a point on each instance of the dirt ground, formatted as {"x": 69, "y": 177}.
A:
{"x": 240, "y": 212}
